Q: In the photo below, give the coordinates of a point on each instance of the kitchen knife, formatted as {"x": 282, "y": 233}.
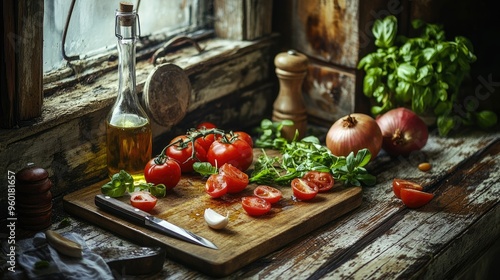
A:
{"x": 135, "y": 215}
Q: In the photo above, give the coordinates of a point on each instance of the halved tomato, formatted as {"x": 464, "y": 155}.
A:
{"x": 324, "y": 180}
{"x": 272, "y": 195}
{"x": 236, "y": 180}
{"x": 303, "y": 189}
{"x": 143, "y": 200}
{"x": 216, "y": 186}
{"x": 255, "y": 206}
{"x": 398, "y": 184}
{"x": 414, "y": 198}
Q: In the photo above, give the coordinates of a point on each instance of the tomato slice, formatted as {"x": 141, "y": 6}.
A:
{"x": 398, "y": 184}
{"x": 303, "y": 189}
{"x": 216, "y": 186}
{"x": 414, "y": 198}
{"x": 255, "y": 206}
{"x": 272, "y": 195}
{"x": 324, "y": 180}
{"x": 236, "y": 180}
{"x": 143, "y": 200}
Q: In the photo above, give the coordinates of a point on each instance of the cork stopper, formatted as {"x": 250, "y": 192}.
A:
{"x": 126, "y": 7}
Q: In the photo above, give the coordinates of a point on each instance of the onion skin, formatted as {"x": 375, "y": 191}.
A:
{"x": 403, "y": 132}
{"x": 352, "y": 133}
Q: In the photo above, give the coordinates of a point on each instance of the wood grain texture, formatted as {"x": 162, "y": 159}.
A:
{"x": 243, "y": 241}
{"x": 329, "y": 93}
{"x": 243, "y": 19}
{"x": 29, "y": 62}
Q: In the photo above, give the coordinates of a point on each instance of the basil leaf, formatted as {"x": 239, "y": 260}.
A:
{"x": 204, "y": 168}
{"x": 486, "y": 119}
{"x": 385, "y": 31}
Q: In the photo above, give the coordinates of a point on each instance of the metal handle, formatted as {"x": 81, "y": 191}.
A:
{"x": 120, "y": 208}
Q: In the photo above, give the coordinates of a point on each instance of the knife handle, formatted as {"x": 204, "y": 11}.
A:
{"x": 120, "y": 208}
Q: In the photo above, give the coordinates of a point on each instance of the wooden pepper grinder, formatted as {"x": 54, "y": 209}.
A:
{"x": 291, "y": 68}
{"x": 34, "y": 199}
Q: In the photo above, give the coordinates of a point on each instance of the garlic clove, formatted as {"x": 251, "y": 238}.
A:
{"x": 216, "y": 220}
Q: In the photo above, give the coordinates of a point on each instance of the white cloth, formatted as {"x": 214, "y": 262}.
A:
{"x": 90, "y": 266}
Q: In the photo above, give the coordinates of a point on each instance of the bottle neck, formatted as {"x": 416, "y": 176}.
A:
{"x": 126, "y": 68}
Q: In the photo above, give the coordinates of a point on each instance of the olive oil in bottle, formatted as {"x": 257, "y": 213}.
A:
{"x": 128, "y": 128}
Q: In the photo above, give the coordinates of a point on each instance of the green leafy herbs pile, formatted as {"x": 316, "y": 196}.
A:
{"x": 298, "y": 157}
{"x": 122, "y": 182}
{"x": 422, "y": 73}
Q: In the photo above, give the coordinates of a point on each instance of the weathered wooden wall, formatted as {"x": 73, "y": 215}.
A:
{"x": 334, "y": 35}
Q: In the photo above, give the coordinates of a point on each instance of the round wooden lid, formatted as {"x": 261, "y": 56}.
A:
{"x": 166, "y": 94}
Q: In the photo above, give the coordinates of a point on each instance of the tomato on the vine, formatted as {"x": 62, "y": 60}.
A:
{"x": 206, "y": 125}
{"x": 164, "y": 171}
{"x": 236, "y": 180}
{"x": 244, "y": 136}
{"x": 303, "y": 189}
{"x": 234, "y": 151}
{"x": 398, "y": 184}
{"x": 324, "y": 180}
{"x": 255, "y": 206}
{"x": 206, "y": 141}
{"x": 182, "y": 151}
{"x": 272, "y": 195}
{"x": 216, "y": 186}
{"x": 143, "y": 200}
{"x": 413, "y": 198}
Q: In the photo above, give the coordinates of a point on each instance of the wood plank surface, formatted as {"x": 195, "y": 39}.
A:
{"x": 382, "y": 239}
{"x": 244, "y": 240}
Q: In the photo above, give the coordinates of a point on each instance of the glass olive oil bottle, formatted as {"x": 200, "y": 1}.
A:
{"x": 128, "y": 128}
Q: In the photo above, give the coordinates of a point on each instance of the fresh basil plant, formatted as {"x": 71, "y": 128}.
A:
{"x": 422, "y": 73}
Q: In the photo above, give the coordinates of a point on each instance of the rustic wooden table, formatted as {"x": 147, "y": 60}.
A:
{"x": 456, "y": 235}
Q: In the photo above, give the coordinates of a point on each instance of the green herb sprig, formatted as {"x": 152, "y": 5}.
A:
{"x": 122, "y": 182}
{"x": 297, "y": 157}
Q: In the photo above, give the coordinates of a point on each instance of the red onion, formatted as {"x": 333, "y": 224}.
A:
{"x": 403, "y": 132}
{"x": 353, "y": 133}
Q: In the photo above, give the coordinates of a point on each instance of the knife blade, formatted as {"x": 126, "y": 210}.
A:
{"x": 138, "y": 216}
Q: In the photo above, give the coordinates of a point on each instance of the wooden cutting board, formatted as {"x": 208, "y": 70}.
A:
{"x": 243, "y": 241}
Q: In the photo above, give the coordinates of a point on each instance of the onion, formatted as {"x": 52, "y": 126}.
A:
{"x": 353, "y": 133}
{"x": 403, "y": 132}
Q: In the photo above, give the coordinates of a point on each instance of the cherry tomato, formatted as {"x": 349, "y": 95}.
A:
{"x": 182, "y": 152}
{"x": 272, "y": 195}
{"x": 413, "y": 198}
{"x": 255, "y": 206}
{"x": 216, "y": 186}
{"x": 236, "y": 180}
{"x": 163, "y": 171}
{"x": 324, "y": 180}
{"x": 143, "y": 200}
{"x": 245, "y": 137}
{"x": 235, "y": 151}
{"x": 398, "y": 184}
{"x": 206, "y": 141}
{"x": 303, "y": 189}
{"x": 206, "y": 125}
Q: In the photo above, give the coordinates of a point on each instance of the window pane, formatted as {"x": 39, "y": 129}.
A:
{"x": 91, "y": 29}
